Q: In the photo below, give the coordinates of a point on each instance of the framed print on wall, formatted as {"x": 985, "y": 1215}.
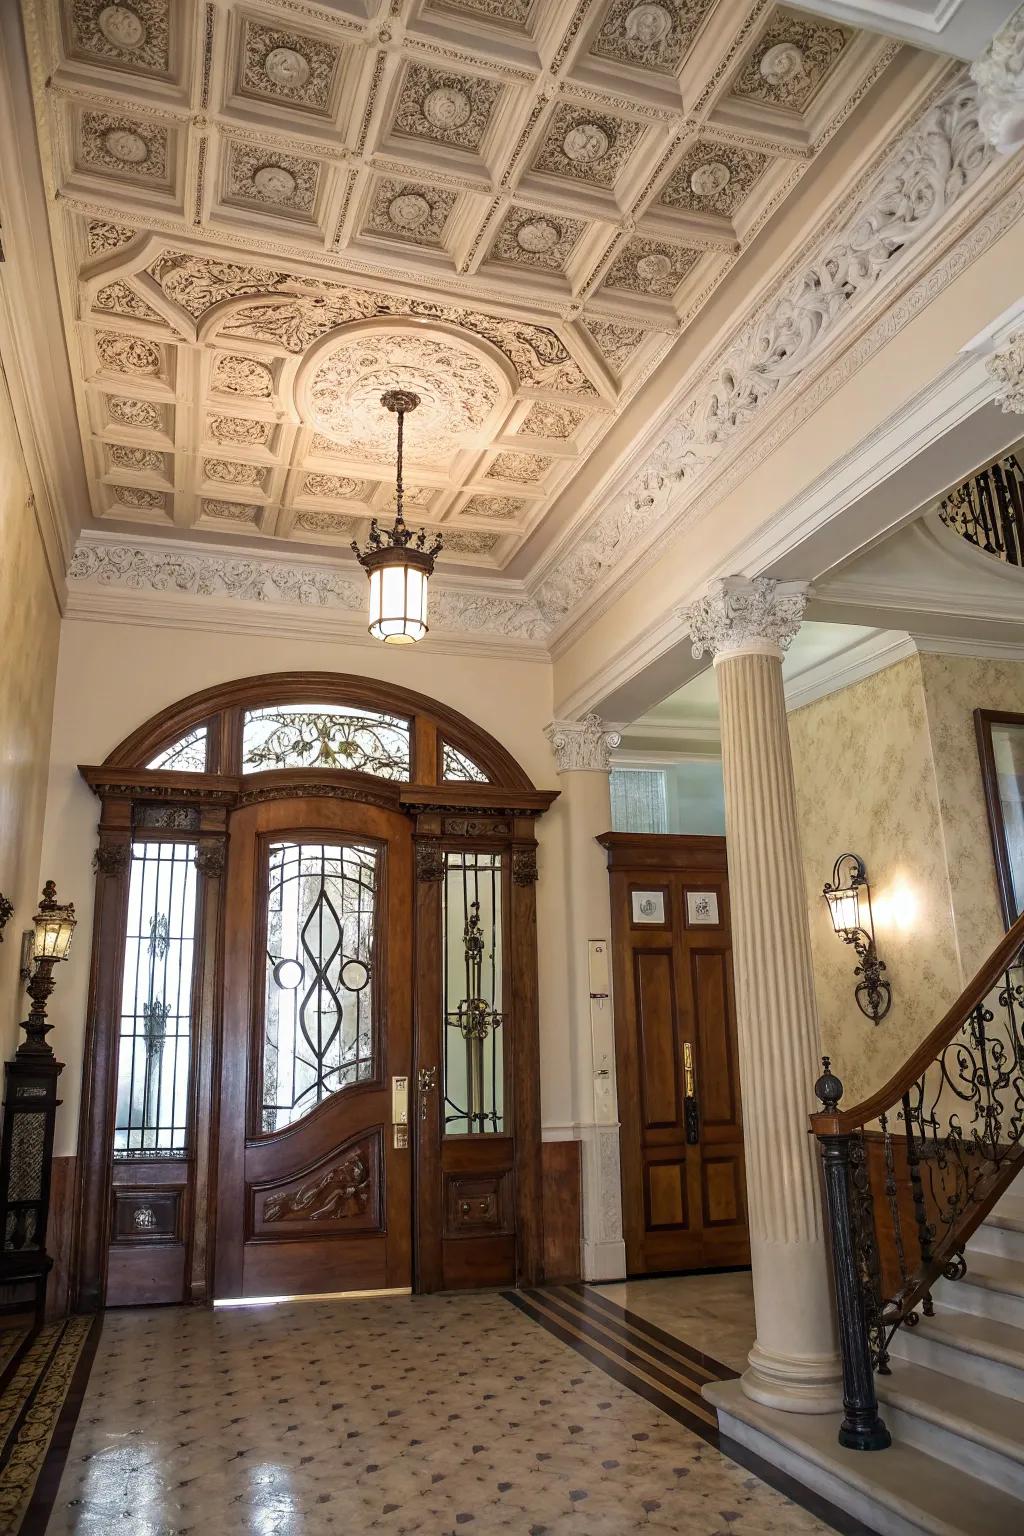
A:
{"x": 648, "y": 908}
{"x": 702, "y": 909}
{"x": 1001, "y": 748}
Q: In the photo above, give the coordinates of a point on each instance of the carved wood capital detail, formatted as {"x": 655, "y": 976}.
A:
{"x": 429, "y": 861}
{"x": 112, "y": 856}
{"x": 210, "y": 859}
{"x": 524, "y": 866}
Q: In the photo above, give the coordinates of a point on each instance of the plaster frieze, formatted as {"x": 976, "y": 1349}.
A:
{"x": 740, "y": 615}
{"x": 925, "y": 175}
{"x": 999, "y": 75}
{"x": 134, "y": 566}
{"x": 585, "y": 744}
{"x": 1006, "y": 368}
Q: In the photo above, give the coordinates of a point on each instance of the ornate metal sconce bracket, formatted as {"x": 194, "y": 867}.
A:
{"x": 849, "y": 903}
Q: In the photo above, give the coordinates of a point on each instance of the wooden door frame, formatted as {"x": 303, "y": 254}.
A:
{"x": 165, "y": 804}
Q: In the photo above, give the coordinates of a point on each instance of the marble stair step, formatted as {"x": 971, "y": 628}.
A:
{"x": 974, "y": 1350}
{"x": 964, "y": 1425}
{"x": 992, "y": 1287}
{"x": 1002, "y": 1231}
{"x": 902, "y": 1491}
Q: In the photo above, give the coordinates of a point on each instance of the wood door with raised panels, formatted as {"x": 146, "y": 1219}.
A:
{"x": 681, "y": 1138}
{"x": 314, "y": 1181}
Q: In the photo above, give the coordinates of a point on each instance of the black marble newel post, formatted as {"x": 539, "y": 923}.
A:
{"x": 862, "y": 1428}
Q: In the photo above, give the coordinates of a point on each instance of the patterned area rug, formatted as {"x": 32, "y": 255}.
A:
{"x": 37, "y": 1372}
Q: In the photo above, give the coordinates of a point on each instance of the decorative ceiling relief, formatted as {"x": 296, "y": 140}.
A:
{"x": 407, "y": 210}
{"x": 292, "y": 67}
{"x": 144, "y": 501}
{"x": 276, "y": 209}
{"x": 650, "y": 266}
{"x": 713, "y": 178}
{"x": 650, "y": 36}
{"x": 444, "y": 107}
{"x": 536, "y": 238}
{"x": 470, "y": 541}
{"x": 136, "y": 36}
{"x": 790, "y": 60}
{"x": 585, "y": 145}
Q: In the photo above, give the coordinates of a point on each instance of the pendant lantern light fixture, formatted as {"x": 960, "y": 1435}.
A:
{"x": 398, "y": 562}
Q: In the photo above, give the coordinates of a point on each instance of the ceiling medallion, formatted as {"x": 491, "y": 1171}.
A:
{"x": 287, "y": 68}
{"x": 653, "y": 269}
{"x": 710, "y": 178}
{"x": 398, "y": 564}
{"x": 446, "y": 107}
{"x": 585, "y": 144}
{"x": 648, "y": 25}
{"x": 781, "y": 63}
{"x": 538, "y": 235}
{"x": 274, "y": 182}
{"x": 409, "y": 210}
{"x": 121, "y": 27}
{"x": 129, "y": 148}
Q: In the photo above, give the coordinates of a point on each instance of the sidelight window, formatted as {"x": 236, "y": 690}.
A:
{"x": 318, "y": 1028}
{"x": 459, "y": 768}
{"x": 322, "y": 736}
{"x": 187, "y": 755}
{"x": 152, "y": 1118}
{"x": 473, "y": 1035}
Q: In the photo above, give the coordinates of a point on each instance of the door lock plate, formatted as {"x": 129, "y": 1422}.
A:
{"x": 400, "y": 1100}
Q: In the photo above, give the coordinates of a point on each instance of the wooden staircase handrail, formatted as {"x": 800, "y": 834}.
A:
{"x": 843, "y": 1121}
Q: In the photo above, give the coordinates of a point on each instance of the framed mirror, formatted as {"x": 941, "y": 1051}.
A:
{"x": 1001, "y": 747}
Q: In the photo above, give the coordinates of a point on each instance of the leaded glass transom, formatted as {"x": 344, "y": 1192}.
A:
{"x": 152, "y": 1118}
{"x": 473, "y": 1051}
{"x": 187, "y": 755}
{"x": 325, "y": 736}
{"x": 318, "y": 1027}
{"x": 459, "y": 768}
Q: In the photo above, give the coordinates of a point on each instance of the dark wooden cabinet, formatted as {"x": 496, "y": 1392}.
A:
{"x": 683, "y": 1188}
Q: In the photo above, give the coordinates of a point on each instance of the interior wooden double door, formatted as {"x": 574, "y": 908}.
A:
{"x": 681, "y": 1137}
{"x": 312, "y": 1061}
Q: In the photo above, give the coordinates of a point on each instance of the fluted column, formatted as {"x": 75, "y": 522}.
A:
{"x": 745, "y": 625}
{"x": 582, "y": 753}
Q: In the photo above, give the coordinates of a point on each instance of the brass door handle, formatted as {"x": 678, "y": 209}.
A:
{"x": 691, "y": 1112}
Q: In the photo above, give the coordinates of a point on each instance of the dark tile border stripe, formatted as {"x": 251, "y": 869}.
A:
{"x": 571, "y": 1333}
{"x": 40, "y": 1506}
{"x": 694, "y": 1367}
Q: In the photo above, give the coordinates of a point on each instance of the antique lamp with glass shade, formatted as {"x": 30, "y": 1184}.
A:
{"x": 30, "y": 1112}
{"x": 848, "y": 896}
{"x": 398, "y": 562}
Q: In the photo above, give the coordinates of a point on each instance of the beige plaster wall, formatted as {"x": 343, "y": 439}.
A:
{"x": 30, "y": 623}
{"x": 954, "y": 687}
{"x": 114, "y": 676}
{"x": 866, "y": 784}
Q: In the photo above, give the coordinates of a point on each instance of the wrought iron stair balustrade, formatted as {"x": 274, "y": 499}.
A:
{"x": 912, "y": 1171}
{"x": 988, "y": 510}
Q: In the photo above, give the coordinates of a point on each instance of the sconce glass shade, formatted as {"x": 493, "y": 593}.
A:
{"x": 398, "y": 600}
{"x": 54, "y": 925}
{"x": 844, "y": 908}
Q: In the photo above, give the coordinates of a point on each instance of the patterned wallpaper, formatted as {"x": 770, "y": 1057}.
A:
{"x": 866, "y": 784}
{"x": 954, "y": 687}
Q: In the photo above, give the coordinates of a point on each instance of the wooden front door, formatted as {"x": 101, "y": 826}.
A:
{"x": 314, "y": 1185}
{"x": 683, "y": 1188}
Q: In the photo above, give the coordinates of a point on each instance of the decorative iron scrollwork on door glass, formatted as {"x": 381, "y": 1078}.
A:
{"x": 325, "y": 736}
{"x": 187, "y": 755}
{"x": 473, "y": 1047}
{"x": 459, "y": 768}
{"x": 152, "y": 1112}
{"x": 318, "y": 1026}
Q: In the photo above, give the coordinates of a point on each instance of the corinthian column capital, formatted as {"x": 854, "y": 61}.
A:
{"x": 999, "y": 76}
{"x": 583, "y": 743}
{"x": 740, "y": 615}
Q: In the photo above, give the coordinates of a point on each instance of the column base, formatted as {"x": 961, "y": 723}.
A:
{"x": 794, "y": 1383}
{"x": 604, "y": 1261}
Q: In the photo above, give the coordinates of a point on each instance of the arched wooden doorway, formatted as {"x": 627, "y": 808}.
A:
{"x": 311, "y": 1056}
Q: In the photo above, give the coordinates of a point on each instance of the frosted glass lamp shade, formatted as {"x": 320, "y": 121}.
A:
{"x": 398, "y": 601}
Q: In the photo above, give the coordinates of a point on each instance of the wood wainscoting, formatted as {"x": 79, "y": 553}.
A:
{"x": 681, "y": 1139}
{"x": 561, "y": 1181}
{"x": 59, "y": 1234}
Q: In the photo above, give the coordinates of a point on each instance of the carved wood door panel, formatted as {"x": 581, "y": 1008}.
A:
{"x": 683, "y": 1185}
{"x": 314, "y": 1187}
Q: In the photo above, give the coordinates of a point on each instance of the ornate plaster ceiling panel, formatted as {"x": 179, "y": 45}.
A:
{"x": 267, "y": 211}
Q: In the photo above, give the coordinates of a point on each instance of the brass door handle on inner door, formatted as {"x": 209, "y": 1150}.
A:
{"x": 691, "y": 1113}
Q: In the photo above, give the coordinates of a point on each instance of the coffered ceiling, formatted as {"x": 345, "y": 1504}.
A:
{"x": 267, "y": 213}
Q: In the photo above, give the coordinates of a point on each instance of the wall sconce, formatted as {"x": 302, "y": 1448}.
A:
{"x": 54, "y": 925}
{"x": 849, "y": 903}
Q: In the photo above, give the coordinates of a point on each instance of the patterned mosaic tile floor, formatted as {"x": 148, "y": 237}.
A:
{"x": 440, "y": 1415}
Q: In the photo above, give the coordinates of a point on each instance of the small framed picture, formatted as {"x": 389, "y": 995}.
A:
{"x": 648, "y": 907}
{"x": 702, "y": 909}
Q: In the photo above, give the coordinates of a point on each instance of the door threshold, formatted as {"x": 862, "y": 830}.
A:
{"x": 274, "y": 1301}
